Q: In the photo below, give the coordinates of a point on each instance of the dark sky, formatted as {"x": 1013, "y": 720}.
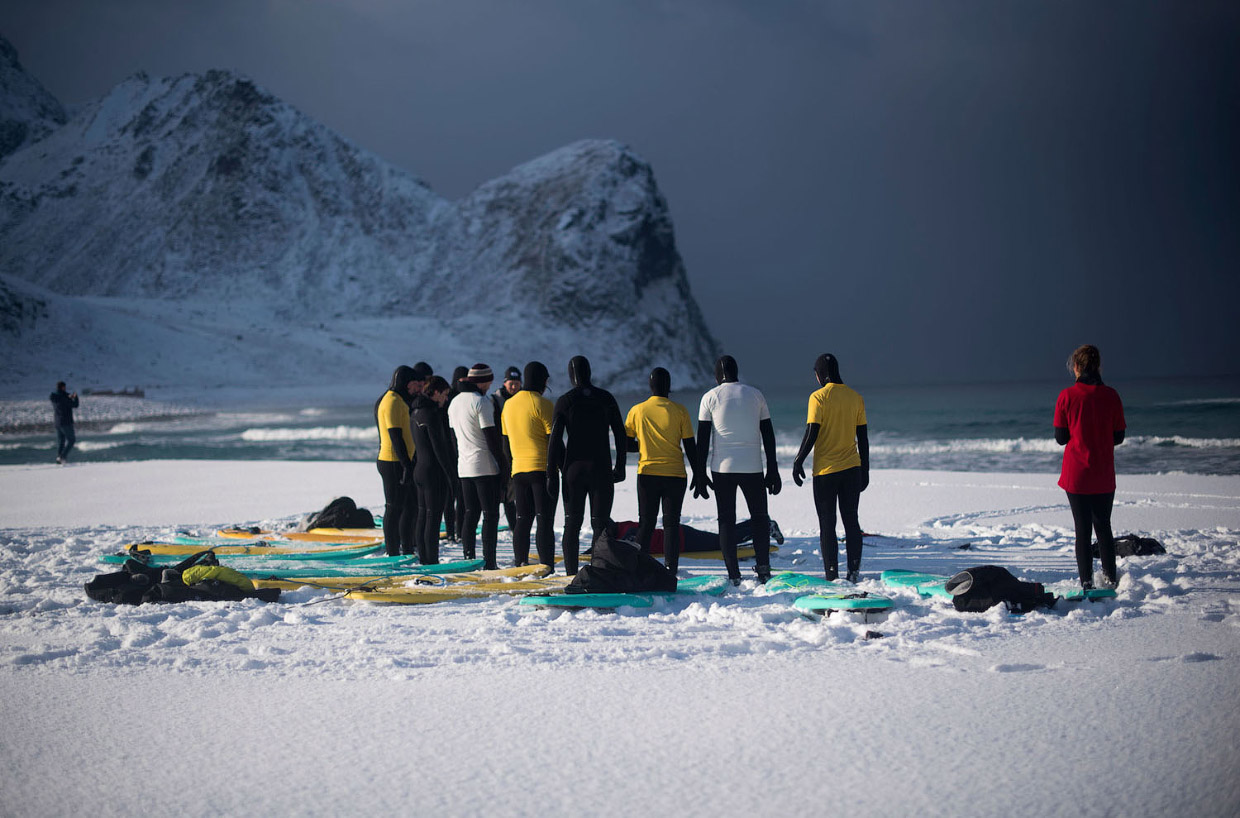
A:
{"x": 932, "y": 190}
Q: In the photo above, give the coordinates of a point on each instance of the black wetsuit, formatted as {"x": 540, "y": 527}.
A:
{"x": 589, "y": 415}
{"x": 434, "y": 466}
{"x": 400, "y": 495}
{"x": 506, "y": 496}
{"x": 63, "y": 405}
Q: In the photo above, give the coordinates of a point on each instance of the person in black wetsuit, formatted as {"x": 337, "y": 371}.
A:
{"x": 454, "y": 507}
{"x": 658, "y": 429}
{"x": 434, "y": 467}
{"x": 526, "y": 427}
{"x": 510, "y": 387}
{"x": 737, "y": 417}
{"x": 837, "y": 433}
{"x": 588, "y": 414}
{"x": 395, "y": 460}
{"x": 63, "y": 404}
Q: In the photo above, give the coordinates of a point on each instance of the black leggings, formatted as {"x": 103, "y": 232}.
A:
{"x": 843, "y": 487}
{"x": 1093, "y": 511}
{"x": 653, "y": 489}
{"x": 533, "y": 502}
{"x": 480, "y": 496}
{"x": 400, "y": 509}
{"x": 432, "y": 492}
{"x": 584, "y": 478}
{"x": 751, "y": 485}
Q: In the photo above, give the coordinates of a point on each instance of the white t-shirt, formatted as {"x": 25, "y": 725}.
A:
{"x": 468, "y": 414}
{"x": 734, "y": 411}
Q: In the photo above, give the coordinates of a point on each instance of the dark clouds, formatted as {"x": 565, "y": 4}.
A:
{"x": 932, "y": 190}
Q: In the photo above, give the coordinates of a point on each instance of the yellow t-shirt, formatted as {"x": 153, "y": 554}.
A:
{"x": 659, "y": 424}
{"x": 526, "y": 422}
{"x": 393, "y": 414}
{"x": 838, "y": 410}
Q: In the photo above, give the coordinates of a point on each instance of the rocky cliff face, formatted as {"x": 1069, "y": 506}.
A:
{"x": 207, "y": 190}
{"x": 27, "y": 111}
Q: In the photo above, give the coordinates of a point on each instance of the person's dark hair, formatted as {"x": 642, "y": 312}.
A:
{"x": 436, "y": 384}
{"x": 457, "y": 374}
{"x": 827, "y": 368}
{"x": 400, "y": 382}
{"x": 423, "y": 370}
{"x": 660, "y": 382}
{"x": 1087, "y": 359}
{"x": 60, "y": 386}
{"x": 726, "y": 369}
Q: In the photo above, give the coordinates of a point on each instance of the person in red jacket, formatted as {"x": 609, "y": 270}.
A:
{"x": 1089, "y": 424}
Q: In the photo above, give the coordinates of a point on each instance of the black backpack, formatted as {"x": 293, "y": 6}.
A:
{"x": 619, "y": 567}
{"x": 1130, "y": 545}
{"x": 985, "y": 586}
{"x": 341, "y": 513}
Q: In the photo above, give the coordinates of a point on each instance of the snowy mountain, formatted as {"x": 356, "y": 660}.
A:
{"x": 207, "y": 206}
{"x": 27, "y": 111}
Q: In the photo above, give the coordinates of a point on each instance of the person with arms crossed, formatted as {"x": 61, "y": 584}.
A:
{"x": 395, "y": 461}
{"x": 837, "y": 433}
{"x": 479, "y": 463}
{"x": 1089, "y": 424}
{"x": 63, "y": 404}
{"x": 735, "y": 416}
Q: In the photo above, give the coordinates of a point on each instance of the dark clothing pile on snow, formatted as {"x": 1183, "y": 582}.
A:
{"x": 619, "y": 567}
{"x": 985, "y": 586}
{"x": 138, "y": 583}
{"x": 1130, "y": 545}
{"x": 340, "y": 513}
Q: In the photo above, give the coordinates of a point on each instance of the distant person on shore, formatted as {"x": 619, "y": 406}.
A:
{"x": 737, "y": 417}
{"x": 480, "y": 461}
{"x": 588, "y": 414}
{"x": 658, "y": 428}
{"x": 433, "y": 468}
{"x": 526, "y": 426}
{"x": 63, "y": 404}
{"x": 395, "y": 461}
{"x": 836, "y": 432}
{"x": 454, "y": 507}
{"x": 510, "y": 386}
{"x": 1089, "y": 424}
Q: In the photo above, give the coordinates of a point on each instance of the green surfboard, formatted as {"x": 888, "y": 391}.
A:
{"x": 923, "y": 584}
{"x": 792, "y": 581}
{"x": 704, "y": 584}
{"x": 1077, "y": 595}
{"x": 827, "y": 603}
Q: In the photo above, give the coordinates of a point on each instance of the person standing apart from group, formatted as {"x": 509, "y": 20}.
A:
{"x": 588, "y": 414}
{"x": 434, "y": 466}
{"x": 480, "y": 461}
{"x": 837, "y": 433}
{"x": 395, "y": 461}
{"x": 526, "y": 427}
{"x": 658, "y": 428}
{"x": 1089, "y": 424}
{"x": 736, "y": 416}
{"x": 63, "y": 404}
{"x": 510, "y": 387}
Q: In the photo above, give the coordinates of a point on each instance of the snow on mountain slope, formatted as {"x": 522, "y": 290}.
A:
{"x": 27, "y": 111}
{"x": 207, "y": 207}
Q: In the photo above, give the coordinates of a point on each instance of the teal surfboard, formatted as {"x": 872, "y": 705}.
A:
{"x": 826, "y": 603}
{"x": 1077, "y": 595}
{"x": 309, "y": 554}
{"x": 358, "y": 568}
{"x": 245, "y": 562}
{"x": 791, "y": 581}
{"x": 923, "y": 584}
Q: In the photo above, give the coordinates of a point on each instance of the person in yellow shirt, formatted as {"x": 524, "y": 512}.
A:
{"x": 658, "y": 428}
{"x": 395, "y": 461}
{"x": 837, "y": 433}
{"x": 525, "y": 423}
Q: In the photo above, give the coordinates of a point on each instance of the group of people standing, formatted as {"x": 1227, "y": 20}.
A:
{"x": 518, "y": 450}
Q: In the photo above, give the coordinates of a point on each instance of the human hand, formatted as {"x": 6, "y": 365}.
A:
{"x": 773, "y": 483}
{"x": 798, "y": 472}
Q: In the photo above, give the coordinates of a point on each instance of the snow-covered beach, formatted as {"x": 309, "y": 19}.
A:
{"x": 736, "y": 705}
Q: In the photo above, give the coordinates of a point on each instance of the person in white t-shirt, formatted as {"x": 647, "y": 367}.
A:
{"x": 480, "y": 461}
{"x": 734, "y": 426}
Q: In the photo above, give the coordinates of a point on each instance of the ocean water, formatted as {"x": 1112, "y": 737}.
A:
{"x": 1190, "y": 426}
